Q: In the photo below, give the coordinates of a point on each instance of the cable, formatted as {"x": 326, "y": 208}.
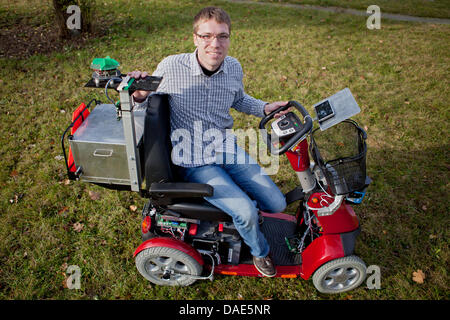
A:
{"x": 106, "y": 88}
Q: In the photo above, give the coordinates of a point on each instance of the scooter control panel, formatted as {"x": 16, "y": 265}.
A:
{"x": 286, "y": 125}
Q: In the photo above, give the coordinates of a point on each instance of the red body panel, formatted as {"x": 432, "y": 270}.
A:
{"x": 84, "y": 114}
{"x": 170, "y": 243}
{"x": 320, "y": 251}
{"x": 249, "y": 270}
{"x": 342, "y": 220}
{"x": 299, "y": 158}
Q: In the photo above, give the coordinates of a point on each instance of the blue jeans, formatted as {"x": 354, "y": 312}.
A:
{"x": 240, "y": 190}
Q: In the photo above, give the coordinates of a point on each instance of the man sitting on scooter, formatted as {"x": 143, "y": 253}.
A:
{"x": 203, "y": 86}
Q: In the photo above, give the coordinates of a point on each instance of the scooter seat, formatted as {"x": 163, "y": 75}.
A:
{"x": 200, "y": 211}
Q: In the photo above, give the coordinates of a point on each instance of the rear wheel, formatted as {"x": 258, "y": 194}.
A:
{"x": 340, "y": 275}
{"x": 167, "y": 266}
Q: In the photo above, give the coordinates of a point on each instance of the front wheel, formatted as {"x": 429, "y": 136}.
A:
{"x": 167, "y": 266}
{"x": 340, "y": 275}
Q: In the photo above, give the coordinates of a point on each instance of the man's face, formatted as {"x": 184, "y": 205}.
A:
{"x": 212, "y": 52}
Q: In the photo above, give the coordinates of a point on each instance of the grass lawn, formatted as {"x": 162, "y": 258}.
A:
{"x": 398, "y": 75}
{"x": 421, "y": 8}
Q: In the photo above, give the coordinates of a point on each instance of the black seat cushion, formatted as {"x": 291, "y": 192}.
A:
{"x": 201, "y": 211}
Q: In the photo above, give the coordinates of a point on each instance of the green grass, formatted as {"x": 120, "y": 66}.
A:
{"x": 420, "y": 8}
{"x": 398, "y": 75}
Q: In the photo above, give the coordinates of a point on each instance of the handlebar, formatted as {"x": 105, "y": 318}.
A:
{"x": 149, "y": 83}
{"x": 296, "y": 137}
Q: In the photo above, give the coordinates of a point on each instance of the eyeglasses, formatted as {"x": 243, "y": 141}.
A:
{"x": 210, "y": 37}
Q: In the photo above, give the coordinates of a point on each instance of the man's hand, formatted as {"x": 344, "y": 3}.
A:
{"x": 139, "y": 95}
{"x": 268, "y": 108}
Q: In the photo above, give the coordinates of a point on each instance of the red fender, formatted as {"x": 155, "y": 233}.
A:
{"x": 170, "y": 243}
{"x": 320, "y": 251}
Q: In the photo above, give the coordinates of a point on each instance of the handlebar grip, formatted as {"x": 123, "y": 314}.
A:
{"x": 297, "y": 136}
{"x": 149, "y": 83}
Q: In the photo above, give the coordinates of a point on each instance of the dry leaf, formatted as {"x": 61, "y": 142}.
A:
{"x": 66, "y": 182}
{"x": 64, "y": 209}
{"x": 133, "y": 208}
{"x": 14, "y": 173}
{"x": 78, "y": 227}
{"x": 418, "y": 276}
{"x": 94, "y": 195}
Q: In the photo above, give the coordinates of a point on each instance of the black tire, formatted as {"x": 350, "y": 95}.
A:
{"x": 167, "y": 267}
{"x": 340, "y": 275}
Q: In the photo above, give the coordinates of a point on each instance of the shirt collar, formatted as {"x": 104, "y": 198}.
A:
{"x": 197, "y": 69}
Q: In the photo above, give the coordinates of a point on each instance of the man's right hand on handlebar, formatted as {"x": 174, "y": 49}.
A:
{"x": 139, "y": 95}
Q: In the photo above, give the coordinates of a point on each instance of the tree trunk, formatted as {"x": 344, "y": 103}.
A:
{"x": 72, "y": 23}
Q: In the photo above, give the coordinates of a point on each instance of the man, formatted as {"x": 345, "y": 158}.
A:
{"x": 202, "y": 87}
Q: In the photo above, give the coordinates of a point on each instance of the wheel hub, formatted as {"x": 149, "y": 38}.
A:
{"x": 341, "y": 278}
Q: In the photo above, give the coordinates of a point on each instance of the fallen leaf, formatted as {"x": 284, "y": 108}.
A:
{"x": 66, "y": 182}
{"x": 432, "y": 236}
{"x": 418, "y": 276}
{"x": 78, "y": 227}
{"x": 63, "y": 210}
{"x": 94, "y": 195}
{"x": 14, "y": 173}
{"x": 133, "y": 208}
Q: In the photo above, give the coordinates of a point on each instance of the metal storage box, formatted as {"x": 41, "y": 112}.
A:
{"x": 99, "y": 146}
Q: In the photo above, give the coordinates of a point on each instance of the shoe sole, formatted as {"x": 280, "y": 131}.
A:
{"x": 264, "y": 274}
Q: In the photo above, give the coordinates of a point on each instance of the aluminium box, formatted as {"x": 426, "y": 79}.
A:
{"x": 99, "y": 148}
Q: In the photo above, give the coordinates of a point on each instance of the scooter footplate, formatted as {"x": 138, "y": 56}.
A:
{"x": 275, "y": 231}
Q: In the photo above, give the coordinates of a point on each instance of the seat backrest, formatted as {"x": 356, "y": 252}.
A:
{"x": 157, "y": 144}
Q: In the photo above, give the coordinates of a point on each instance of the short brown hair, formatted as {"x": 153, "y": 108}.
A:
{"x": 209, "y": 13}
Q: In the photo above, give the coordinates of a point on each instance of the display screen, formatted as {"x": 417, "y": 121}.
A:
{"x": 324, "y": 111}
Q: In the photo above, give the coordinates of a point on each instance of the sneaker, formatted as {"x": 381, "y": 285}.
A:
{"x": 265, "y": 266}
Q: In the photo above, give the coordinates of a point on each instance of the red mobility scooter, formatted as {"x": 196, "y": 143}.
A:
{"x": 187, "y": 239}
